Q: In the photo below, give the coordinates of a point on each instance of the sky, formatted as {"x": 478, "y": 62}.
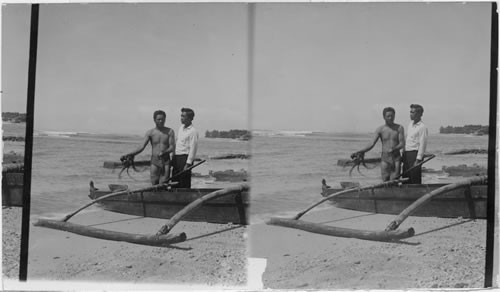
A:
{"x": 332, "y": 67}
{"x": 105, "y": 68}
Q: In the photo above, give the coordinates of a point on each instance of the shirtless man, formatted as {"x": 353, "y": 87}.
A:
{"x": 162, "y": 143}
{"x": 393, "y": 140}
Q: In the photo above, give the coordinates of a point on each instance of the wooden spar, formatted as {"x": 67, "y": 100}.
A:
{"x": 342, "y": 232}
{"x": 384, "y": 184}
{"x": 198, "y": 203}
{"x": 426, "y": 198}
{"x": 152, "y": 188}
{"x": 153, "y": 240}
{"x": 147, "y": 189}
{"x": 431, "y": 156}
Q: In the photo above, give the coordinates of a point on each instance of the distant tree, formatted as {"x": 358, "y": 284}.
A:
{"x": 14, "y": 117}
{"x": 466, "y": 129}
{"x": 231, "y": 134}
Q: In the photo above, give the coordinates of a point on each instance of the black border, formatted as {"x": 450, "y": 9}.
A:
{"x": 28, "y": 147}
{"x": 490, "y": 228}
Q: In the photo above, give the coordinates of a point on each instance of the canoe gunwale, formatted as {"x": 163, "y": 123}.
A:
{"x": 161, "y": 238}
{"x": 467, "y": 201}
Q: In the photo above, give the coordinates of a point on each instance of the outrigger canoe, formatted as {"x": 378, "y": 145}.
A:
{"x": 12, "y": 184}
{"x": 467, "y": 201}
{"x": 192, "y": 205}
{"x": 166, "y": 203}
{"x": 364, "y": 196}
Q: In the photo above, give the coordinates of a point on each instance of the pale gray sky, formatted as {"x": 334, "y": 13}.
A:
{"x": 335, "y": 66}
{"x": 324, "y": 66}
{"x": 107, "y": 67}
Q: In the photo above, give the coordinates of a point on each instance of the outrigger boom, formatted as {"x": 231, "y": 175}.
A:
{"x": 161, "y": 238}
{"x": 389, "y": 234}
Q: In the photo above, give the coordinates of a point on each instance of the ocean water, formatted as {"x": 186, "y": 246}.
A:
{"x": 64, "y": 163}
{"x": 287, "y": 167}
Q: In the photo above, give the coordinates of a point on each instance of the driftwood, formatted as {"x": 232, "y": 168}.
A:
{"x": 229, "y": 175}
{"x": 342, "y": 232}
{"x": 117, "y": 164}
{"x": 467, "y": 151}
{"x": 154, "y": 240}
{"x": 232, "y": 156}
{"x": 198, "y": 203}
{"x": 464, "y": 170}
{"x": 426, "y": 198}
{"x": 384, "y": 184}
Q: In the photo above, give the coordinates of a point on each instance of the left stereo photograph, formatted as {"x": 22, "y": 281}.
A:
{"x": 140, "y": 145}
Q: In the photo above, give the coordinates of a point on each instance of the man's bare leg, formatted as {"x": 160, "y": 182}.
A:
{"x": 165, "y": 173}
{"x": 385, "y": 169}
{"x": 397, "y": 170}
{"x": 155, "y": 174}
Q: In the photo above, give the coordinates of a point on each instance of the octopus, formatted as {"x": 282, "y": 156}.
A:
{"x": 358, "y": 159}
{"x": 127, "y": 162}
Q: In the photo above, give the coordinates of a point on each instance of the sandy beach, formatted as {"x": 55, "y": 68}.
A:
{"x": 443, "y": 253}
{"x": 213, "y": 254}
{"x": 11, "y": 241}
{"x": 13, "y": 152}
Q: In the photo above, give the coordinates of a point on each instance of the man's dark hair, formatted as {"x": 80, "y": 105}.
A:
{"x": 188, "y": 111}
{"x": 388, "y": 109}
{"x": 418, "y": 108}
{"x": 159, "y": 112}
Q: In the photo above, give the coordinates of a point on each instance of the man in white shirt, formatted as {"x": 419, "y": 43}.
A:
{"x": 416, "y": 142}
{"x": 185, "y": 148}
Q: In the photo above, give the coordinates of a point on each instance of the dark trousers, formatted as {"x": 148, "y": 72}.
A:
{"x": 184, "y": 180}
{"x": 415, "y": 175}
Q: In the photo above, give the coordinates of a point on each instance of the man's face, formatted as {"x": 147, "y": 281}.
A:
{"x": 389, "y": 117}
{"x": 413, "y": 114}
{"x": 184, "y": 118}
{"x": 160, "y": 120}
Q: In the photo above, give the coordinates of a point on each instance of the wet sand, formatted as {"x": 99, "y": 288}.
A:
{"x": 443, "y": 253}
{"x": 213, "y": 255}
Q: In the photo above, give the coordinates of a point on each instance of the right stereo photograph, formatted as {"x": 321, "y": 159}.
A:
{"x": 373, "y": 147}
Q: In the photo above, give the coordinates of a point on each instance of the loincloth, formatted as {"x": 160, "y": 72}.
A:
{"x": 391, "y": 158}
{"x": 160, "y": 162}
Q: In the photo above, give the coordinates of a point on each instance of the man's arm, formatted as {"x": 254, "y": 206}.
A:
{"x": 373, "y": 142}
{"x": 143, "y": 145}
{"x": 171, "y": 144}
{"x": 401, "y": 139}
{"x": 422, "y": 145}
{"x": 193, "y": 147}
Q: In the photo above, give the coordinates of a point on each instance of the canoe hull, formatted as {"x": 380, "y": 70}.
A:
{"x": 12, "y": 189}
{"x": 467, "y": 202}
{"x": 165, "y": 204}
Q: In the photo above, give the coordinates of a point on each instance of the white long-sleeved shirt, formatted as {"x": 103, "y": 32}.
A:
{"x": 416, "y": 138}
{"x": 187, "y": 142}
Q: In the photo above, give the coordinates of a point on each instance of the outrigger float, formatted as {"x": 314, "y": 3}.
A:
{"x": 226, "y": 205}
{"x": 466, "y": 199}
